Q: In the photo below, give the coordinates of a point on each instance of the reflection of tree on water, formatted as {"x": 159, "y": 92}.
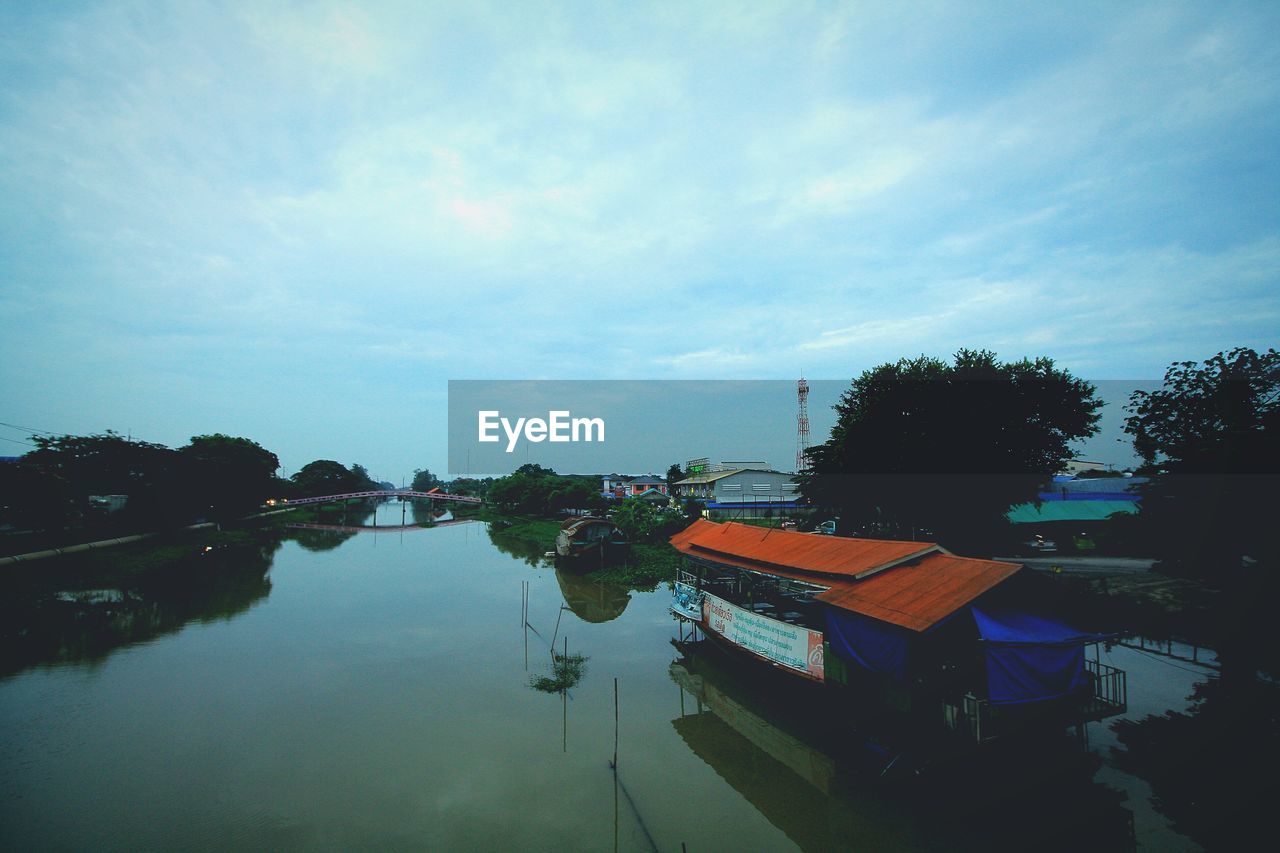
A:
{"x": 592, "y": 601}
{"x": 81, "y": 612}
{"x": 566, "y": 671}
{"x": 1208, "y": 767}
{"x": 318, "y": 540}
{"x": 424, "y": 513}
{"x": 522, "y": 549}
{"x": 801, "y": 764}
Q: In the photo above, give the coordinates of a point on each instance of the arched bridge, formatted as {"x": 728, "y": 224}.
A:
{"x": 394, "y": 493}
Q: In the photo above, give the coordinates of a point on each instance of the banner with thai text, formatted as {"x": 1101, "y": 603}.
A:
{"x": 792, "y": 646}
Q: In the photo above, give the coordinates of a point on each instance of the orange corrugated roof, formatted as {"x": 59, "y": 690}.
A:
{"x": 916, "y": 592}
{"x": 786, "y": 549}
{"x": 921, "y": 594}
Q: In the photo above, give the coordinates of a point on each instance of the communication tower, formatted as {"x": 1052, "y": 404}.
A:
{"x": 802, "y": 423}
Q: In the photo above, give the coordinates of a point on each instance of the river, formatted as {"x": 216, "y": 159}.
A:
{"x": 375, "y": 691}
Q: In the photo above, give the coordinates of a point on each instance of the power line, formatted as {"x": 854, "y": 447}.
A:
{"x": 18, "y": 441}
{"x": 27, "y": 429}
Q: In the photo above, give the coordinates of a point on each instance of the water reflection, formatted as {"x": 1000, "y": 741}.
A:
{"x": 807, "y": 773}
{"x": 74, "y": 613}
{"x": 522, "y": 549}
{"x": 592, "y": 601}
{"x": 1204, "y": 764}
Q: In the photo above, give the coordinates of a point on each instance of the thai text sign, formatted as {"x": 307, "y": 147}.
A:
{"x": 792, "y": 646}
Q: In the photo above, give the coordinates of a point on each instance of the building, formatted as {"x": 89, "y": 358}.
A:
{"x": 640, "y": 485}
{"x": 741, "y": 492}
{"x": 973, "y": 644}
{"x": 619, "y": 486}
{"x": 1076, "y": 466}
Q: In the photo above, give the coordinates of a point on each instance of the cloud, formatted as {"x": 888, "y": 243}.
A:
{"x": 382, "y": 197}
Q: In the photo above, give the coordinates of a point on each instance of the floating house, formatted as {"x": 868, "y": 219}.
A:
{"x": 590, "y": 536}
{"x": 946, "y": 639}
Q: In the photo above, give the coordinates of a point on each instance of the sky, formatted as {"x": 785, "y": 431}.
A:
{"x": 298, "y": 222}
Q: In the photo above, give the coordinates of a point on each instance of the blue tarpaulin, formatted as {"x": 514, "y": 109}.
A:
{"x": 872, "y": 645}
{"x": 1031, "y": 658}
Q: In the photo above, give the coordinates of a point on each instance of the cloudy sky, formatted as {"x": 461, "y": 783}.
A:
{"x": 296, "y": 222}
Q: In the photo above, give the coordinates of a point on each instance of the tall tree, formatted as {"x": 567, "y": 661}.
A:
{"x": 325, "y": 477}
{"x": 1211, "y": 433}
{"x": 424, "y": 480}
{"x": 674, "y": 475}
{"x": 233, "y": 475}
{"x": 109, "y": 464}
{"x": 922, "y": 448}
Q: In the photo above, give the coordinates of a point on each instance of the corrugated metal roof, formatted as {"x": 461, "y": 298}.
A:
{"x": 806, "y": 552}
{"x": 709, "y": 477}
{"x": 1069, "y": 511}
{"x": 916, "y": 589}
{"x": 921, "y": 594}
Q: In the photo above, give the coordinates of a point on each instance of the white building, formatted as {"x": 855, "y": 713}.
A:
{"x": 741, "y": 491}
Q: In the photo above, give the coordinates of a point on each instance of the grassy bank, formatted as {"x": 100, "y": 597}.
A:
{"x": 648, "y": 564}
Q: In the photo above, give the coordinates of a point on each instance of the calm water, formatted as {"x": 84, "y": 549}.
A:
{"x": 374, "y": 691}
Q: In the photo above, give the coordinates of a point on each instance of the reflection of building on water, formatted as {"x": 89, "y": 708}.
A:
{"x": 971, "y": 645}
{"x": 790, "y": 780}
{"x": 592, "y": 601}
{"x": 710, "y": 708}
{"x": 788, "y": 748}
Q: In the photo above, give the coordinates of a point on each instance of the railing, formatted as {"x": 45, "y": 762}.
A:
{"x": 976, "y": 718}
{"x": 392, "y": 493}
{"x": 1110, "y": 686}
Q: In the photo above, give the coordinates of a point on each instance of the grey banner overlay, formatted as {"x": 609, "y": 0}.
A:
{"x": 649, "y": 424}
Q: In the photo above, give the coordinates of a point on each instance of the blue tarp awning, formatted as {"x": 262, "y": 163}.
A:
{"x": 875, "y": 646}
{"x": 1031, "y": 658}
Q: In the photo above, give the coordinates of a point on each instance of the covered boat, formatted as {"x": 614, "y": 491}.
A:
{"x": 590, "y": 536}
{"x": 906, "y": 625}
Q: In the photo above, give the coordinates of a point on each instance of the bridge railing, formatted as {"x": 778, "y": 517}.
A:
{"x": 395, "y": 493}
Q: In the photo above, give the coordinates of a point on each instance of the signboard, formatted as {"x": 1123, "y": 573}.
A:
{"x": 793, "y": 646}
{"x": 687, "y": 602}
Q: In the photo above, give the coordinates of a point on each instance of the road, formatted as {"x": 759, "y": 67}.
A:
{"x": 1102, "y": 565}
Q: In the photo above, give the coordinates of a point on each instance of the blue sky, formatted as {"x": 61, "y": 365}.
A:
{"x": 296, "y": 222}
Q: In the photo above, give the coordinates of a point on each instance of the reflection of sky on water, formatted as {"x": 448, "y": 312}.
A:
{"x": 378, "y": 696}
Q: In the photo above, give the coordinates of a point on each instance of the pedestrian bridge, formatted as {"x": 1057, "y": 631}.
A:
{"x": 394, "y": 493}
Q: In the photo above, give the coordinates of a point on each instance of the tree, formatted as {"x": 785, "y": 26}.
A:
{"x": 674, "y": 475}
{"x": 231, "y": 475}
{"x": 110, "y": 464}
{"x": 637, "y": 519}
{"x": 926, "y": 449}
{"x": 324, "y": 477}
{"x": 424, "y": 480}
{"x": 1211, "y": 435}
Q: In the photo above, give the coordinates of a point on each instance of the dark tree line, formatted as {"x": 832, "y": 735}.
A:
{"x": 926, "y": 449}
{"x": 923, "y": 448}
{"x": 213, "y": 476}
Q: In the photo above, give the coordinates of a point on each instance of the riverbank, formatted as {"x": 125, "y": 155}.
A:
{"x": 647, "y": 565}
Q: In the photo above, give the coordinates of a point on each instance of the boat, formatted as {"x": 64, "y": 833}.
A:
{"x": 972, "y": 645}
{"x": 590, "y": 536}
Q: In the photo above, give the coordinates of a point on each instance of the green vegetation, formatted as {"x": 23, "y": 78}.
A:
{"x": 648, "y": 565}
{"x": 533, "y": 489}
{"x": 424, "y": 480}
{"x": 566, "y": 672}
